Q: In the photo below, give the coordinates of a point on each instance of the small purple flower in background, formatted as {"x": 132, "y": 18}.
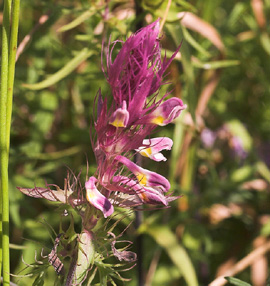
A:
{"x": 237, "y": 146}
{"x": 226, "y": 133}
{"x": 208, "y": 137}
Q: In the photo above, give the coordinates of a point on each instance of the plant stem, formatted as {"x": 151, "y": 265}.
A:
{"x": 7, "y": 80}
{"x": 3, "y": 141}
{"x": 11, "y": 63}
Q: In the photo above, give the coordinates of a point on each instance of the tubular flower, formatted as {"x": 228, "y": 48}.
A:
{"x": 96, "y": 199}
{"x": 165, "y": 113}
{"x": 146, "y": 194}
{"x": 145, "y": 178}
{"x": 135, "y": 77}
{"x": 120, "y": 116}
{"x": 151, "y": 148}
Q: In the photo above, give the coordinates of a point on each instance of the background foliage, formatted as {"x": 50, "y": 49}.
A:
{"x": 221, "y": 156}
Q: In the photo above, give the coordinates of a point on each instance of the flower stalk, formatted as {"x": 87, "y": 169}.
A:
{"x": 9, "y": 45}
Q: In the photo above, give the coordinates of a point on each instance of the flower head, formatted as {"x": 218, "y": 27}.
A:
{"x": 123, "y": 129}
{"x": 135, "y": 77}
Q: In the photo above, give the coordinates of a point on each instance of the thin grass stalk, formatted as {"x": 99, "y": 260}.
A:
{"x": 4, "y": 197}
{"x": 11, "y": 73}
{"x": 11, "y": 64}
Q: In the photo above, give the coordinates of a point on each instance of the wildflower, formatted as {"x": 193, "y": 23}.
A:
{"x": 135, "y": 77}
{"x": 96, "y": 199}
{"x": 151, "y": 148}
{"x": 208, "y": 137}
{"x": 121, "y": 130}
{"x": 124, "y": 128}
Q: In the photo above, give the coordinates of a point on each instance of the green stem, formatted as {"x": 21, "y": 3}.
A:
{"x": 7, "y": 80}
{"x": 3, "y": 114}
{"x": 12, "y": 60}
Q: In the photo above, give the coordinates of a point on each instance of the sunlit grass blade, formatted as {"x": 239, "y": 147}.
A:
{"x": 168, "y": 241}
{"x": 76, "y": 22}
{"x": 177, "y": 36}
{"x": 63, "y": 72}
{"x": 194, "y": 43}
{"x": 237, "y": 282}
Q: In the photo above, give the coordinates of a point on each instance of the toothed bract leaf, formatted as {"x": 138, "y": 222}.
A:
{"x": 86, "y": 252}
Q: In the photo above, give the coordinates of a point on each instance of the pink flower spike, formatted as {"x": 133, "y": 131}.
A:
{"x": 138, "y": 62}
{"x": 151, "y": 148}
{"x": 145, "y": 178}
{"x": 120, "y": 117}
{"x": 96, "y": 199}
{"x": 166, "y": 112}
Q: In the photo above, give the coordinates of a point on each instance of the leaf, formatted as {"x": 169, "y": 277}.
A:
{"x": 76, "y": 22}
{"x": 62, "y": 73}
{"x": 194, "y": 43}
{"x": 215, "y": 64}
{"x": 193, "y": 22}
{"x": 86, "y": 253}
{"x": 263, "y": 170}
{"x": 242, "y": 174}
{"x": 237, "y": 282}
{"x": 39, "y": 281}
{"x": 46, "y": 193}
{"x": 167, "y": 239}
{"x": 238, "y": 129}
{"x": 265, "y": 42}
{"x": 177, "y": 36}
{"x": 186, "y": 5}
{"x": 178, "y": 137}
{"x": 203, "y": 65}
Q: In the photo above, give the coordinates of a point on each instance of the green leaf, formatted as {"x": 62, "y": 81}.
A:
{"x": 86, "y": 251}
{"x": 176, "y": 33}
{"x": 194, "y": 43}
{"x": 238, "y": 129}
{"x": 215, "y": 64}
{"x": 265, "y": 42}
{"x": 39, "y": 281}
{"x": 186, "y": 5}
{"x": 265, "y": 230}
{"x": 263, "y": 170}
{"x": 62, "y": 73}
{"x": 167, "y": 239}
{"x": 237, "y": 282}
{"x": 178, "y": 136}
{"x": 242, "y": 174}
{"x": 76, "y": 22}
{"x": 166, "y": 275}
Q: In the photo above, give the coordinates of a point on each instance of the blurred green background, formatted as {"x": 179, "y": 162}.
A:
{"x": 221, "y": 155}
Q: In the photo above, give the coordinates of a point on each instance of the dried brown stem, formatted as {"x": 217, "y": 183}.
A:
{"x": 204, "y": 98}
{"x": 242, "y": 264}
{"x": 165, "y": 14}
{"x": 43, "y": 19}
{"x": 257, "y": 7}
{"x": 152, "y": 268}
